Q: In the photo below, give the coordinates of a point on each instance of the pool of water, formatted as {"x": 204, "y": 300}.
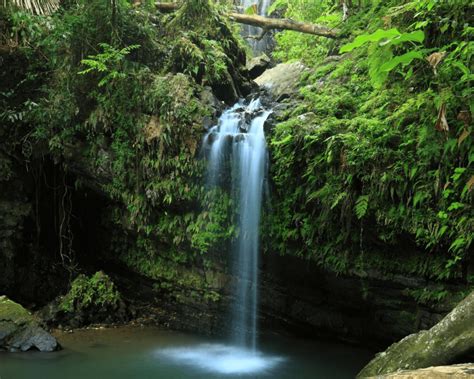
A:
{"x": 134, "y": 352}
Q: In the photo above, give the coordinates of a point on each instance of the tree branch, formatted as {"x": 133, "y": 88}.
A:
{"x": 267, "y": 22}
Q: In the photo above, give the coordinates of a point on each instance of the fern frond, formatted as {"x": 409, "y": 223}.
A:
{"x": 361, "y": 206}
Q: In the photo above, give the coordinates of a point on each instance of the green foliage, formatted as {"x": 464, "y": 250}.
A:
{"x": 293, "y": 45}
{"x": 381, "y": 59}
{"x": 130, "y": 116}
{"x": 107, "y": 62}
{"x": 361, "y": 206}
{"x": 371, "y": 181}
{"x": 88, "y": 293}
{"x": 384, "y": 37}
{"x": 177, "y": 276}
{"x": 436, "y": 294}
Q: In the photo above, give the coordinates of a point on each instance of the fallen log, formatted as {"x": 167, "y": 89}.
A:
{"x": 267, "y": 23}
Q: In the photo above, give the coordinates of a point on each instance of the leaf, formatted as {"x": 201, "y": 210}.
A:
{"x": 435, "y": 59}
{"x": 400, "y": 59}
{"x": 441, "y": 122}
{"x": 40, "y": 7}
{"x": 285, "y": 140}
{"x": 277, "y": 4}
{"x": 465, "y": 70}
{"x": 470, "y": 184}
{"x": 455, "y": 206}
{"x": 465, "y": 133}
{"x": 378, "y": 35}
{"x": 416, "y": 36}
{"x": 361, "y": 206}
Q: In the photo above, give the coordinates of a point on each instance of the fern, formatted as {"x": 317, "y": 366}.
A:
{"x": 361, "y": 206}
{"x": 107, "y": 62}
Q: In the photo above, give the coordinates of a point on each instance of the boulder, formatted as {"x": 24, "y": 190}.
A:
{"x": 19, "y": 330}
{"x": 283, "y": 80}
{"x": 444, "y": 343}
{"x": 464, "y": 370}
{"x": 257, "y": 66}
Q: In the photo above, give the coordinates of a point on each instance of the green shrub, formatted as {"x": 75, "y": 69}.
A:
{"x": 91, "y": 293}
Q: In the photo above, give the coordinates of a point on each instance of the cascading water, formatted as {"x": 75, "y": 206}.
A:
{"x": 237, "y": 161}
{"x": 258, "y": 46}
{"x": 240, "y": 137}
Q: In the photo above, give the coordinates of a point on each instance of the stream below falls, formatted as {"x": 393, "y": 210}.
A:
{"x": 148, "y": 352}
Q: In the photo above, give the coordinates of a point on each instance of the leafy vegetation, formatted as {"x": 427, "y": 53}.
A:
{"x": 115, "y": 92}
{"x": 379, "y": 177}
{"x": 95, "y": 292}
{"x": 387, "y": 158}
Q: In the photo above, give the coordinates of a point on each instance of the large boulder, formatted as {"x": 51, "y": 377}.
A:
{"x": 19, "y": 331}
{"x": 257, "y": 65}
{"x": 447, "y": 341}
{"x": 283, "y": 80}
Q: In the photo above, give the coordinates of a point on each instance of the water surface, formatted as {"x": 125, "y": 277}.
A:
{"x": 134, "y": 352}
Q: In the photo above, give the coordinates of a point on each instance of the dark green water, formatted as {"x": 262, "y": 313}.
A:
{"x": 153, "y": 353}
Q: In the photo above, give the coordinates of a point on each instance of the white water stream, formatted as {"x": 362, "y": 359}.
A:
{"x": 236, "y": 146}
{"x": 239, "y": 137}
{"x": 241, "y": 131}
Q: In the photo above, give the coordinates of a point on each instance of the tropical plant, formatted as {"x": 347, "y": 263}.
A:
{"x": 33, "y": 6}
{"x": 381, "y": 58}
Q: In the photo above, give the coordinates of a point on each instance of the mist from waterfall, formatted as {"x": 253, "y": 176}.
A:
{"x": 239, "y": 137}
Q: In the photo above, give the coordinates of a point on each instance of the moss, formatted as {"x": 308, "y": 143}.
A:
{"x": 177, "y": 275}
{"x": 13, "y": 312}
{"x": 88, "y": 293}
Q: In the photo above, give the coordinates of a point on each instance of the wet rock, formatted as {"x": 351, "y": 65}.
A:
{"x": 239, "y": 138}
{"x": 374, "y": 309}
{"x": 212, "y": 137}
{"x": 282, "y": 81}
{"x": 244, "y": 127}
{"x": 257, "y": 66}
{"x": 19, "y": 330}
{"x": 208, "y": 122}
{"x": 448, "y": 340}
{"x": 465, "y": 370}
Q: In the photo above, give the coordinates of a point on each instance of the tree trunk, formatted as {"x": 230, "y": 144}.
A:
{"x": 267, "y": 23}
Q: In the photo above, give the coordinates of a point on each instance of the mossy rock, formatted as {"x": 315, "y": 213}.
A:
{"x": 445, "y": 342}
{"x": 20, "y": 331}
{"x": 91, "y": 300}
{"x": 11, "y": 311}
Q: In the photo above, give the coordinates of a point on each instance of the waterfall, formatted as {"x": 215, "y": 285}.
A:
{"x": 238, "y": 143}
{"x": 237, "y": 163}
{"x": 258, "y": 46}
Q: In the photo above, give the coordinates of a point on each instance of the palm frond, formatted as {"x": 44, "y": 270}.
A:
{"x": 34, "y": 6}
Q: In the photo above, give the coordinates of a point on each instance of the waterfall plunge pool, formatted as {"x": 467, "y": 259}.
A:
{"x": 147, "y": 352}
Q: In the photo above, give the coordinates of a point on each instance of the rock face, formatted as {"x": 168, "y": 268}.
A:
{"x": 19, "y": 331}
{"x": 439, "y": 372}
{"x": 257, "y": 66}
{"x": 376, "y": 309}
{"x": 282, "y": 80}
{"x": 448, "y": 340}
